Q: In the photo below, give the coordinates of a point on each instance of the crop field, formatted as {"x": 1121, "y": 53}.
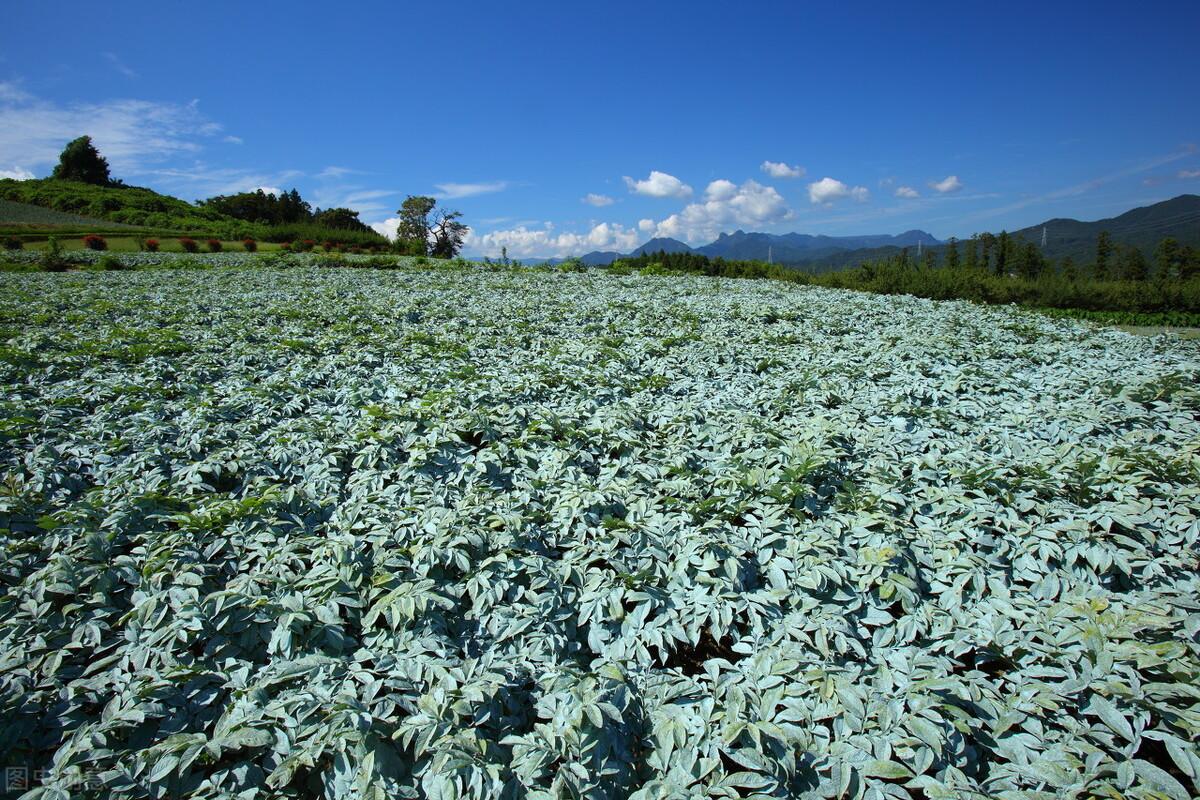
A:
{"x": 443, "y": 533}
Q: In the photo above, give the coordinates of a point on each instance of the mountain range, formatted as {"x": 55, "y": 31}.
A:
{"x": 1142, "y": 228}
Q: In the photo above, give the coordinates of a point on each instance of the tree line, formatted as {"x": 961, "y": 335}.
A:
{"x": 423, "y": 229}
{"x": 999, "y": 269}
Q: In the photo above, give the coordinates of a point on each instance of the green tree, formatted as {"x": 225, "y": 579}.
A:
{"x": 447, "y": 234}
{"x": 1104, "y": 248}
{"x": 951, "y": 257}
{"x": 1189, "y": 263}
{"x": 1069, "y": 270}
{"x": 425, "y": 229}
{"x": 1133, "y": 265}
{"x": 81, "y": 161}
{"x": 1003, "y": 246}
{"x": 1029, "y": 261}
{"x": 972, "y": 256}
{"x": 412, "y": 234}
{"x": 986, "y": 242}
{"x": 1168, "y": 258}
{"x": 339, "y": 219}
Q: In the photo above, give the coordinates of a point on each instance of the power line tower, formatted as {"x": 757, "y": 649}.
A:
{"x": 770, "y": 255}
{"x": 1043, "y": 237}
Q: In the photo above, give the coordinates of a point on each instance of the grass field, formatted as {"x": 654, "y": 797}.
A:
{"x": 464, "y": 533}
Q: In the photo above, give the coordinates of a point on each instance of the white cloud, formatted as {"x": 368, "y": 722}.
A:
{"x": 1189, "y": 173}
{"x": 659, "y": 184}
{"x": 524, "y": 242}
{"x": 597, "y": 200}
{"x": 275, "y": 190}
{"x": 453, "y": 191}
{"x": 11, "y": 93}
{"x": 950, "y": 184}
{"x": 131, "y": 134}
{"x": 119, "y": 65}
{"x": 907, "y": 191}
{"x": 201, "y": 180}
{"x": 16, "y": 173}
{"x": 337, "y": 172}
{"x": 828, "y": 190}
{"x": 388, "y": 227}
{"x": 233, "y": 140}
{"x": 778, "y": 169}
{"x": 725, "y": 204}
{"x": 646, "y": 225}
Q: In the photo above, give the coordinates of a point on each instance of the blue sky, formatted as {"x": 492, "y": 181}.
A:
{"x": 560, "y": 128}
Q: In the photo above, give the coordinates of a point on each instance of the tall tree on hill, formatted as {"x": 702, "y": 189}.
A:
{"x": 81, "y": 161}
{"x": 446, "y": 234}
{"x": 929, "y": 259}
{"x": 1103, "y": 251}
{"x": 951, "y": 257}
{"x": 972, "y": 257}
{"x": 412, "y": 234}
{"x": 426, "y": 231}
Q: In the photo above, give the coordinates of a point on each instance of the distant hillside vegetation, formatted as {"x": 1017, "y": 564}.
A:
{"x": 132, "y": 205}
{"x": 23, "y": 215}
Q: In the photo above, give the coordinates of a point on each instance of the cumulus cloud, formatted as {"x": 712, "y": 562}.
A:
{"x": 907, "y": 191}
{"x": 778, "y": 169}
{"x": 1189, "y": 173}
{"x": 275, "y": 190}
{"x": 452, "y": 191}
{"x": 524, "y": 242}
{"x": 659, "y": 184}
{"x": 950, "y": 184}
{"x": 387, "y": 227}
{"x": 132, "y": 134}
{"x": 725, "y": 203}
{"x": 828, "y": 190}
{"x": 16, "y": 173}
{"x": 646, "y": 225}
{"x": 598, "y": 200}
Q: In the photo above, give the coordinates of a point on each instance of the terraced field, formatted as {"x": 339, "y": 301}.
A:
{"x": 461, "y": 533}
{"x": 21, "y": 215}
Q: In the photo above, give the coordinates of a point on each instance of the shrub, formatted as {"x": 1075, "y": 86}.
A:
{"x": 214, "y": 245}
{"x": 309, "y": 244}
{"x": 328, "y": 246}
{"x": 13, "y": 243}
{"x": 110, "y": 264}
{"x": 52, "y": 258}
{"x": 150, "y": 245}
{"x": 250, "y": 245}
{"x": 94, "y": 242}
{"x": 188, "y": 245}
{"x": 285, "y": 246}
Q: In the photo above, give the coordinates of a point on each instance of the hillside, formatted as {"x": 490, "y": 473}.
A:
{"x": 129, "y": 205}
{"x": 793, "y": 248}
{"x": 136, "y": 206}
{"x": 15, "y": 215}
{"x": 1142, "y": 228}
